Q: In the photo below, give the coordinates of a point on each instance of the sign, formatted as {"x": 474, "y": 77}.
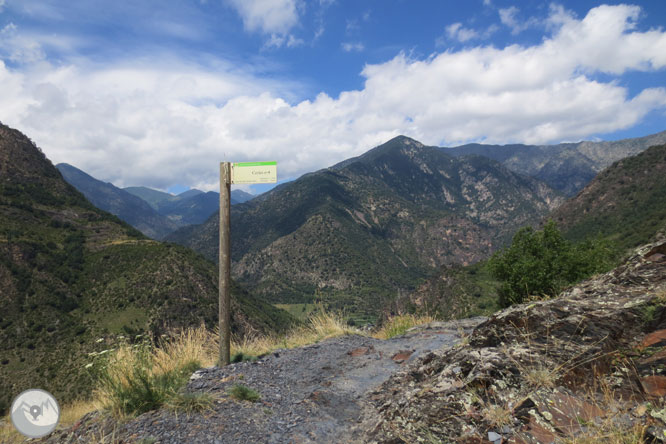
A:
{"x": 254, "y": 172}
{"x": 239, "y": 172}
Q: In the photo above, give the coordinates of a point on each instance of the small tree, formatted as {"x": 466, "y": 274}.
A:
{"x": 542, "y": 263}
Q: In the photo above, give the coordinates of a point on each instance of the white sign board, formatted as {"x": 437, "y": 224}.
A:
{"x": 254, "y": 172}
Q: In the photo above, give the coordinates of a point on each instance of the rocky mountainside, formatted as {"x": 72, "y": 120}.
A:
{"x": 566, "y": 167}
{"x": 589, "y": 360}
{"x": 73, "y": 277}
{"x": 625, "y": 203}
{"x": 127, "y": 207}
{"x": 587, "y": 366}
{"x": 240, "y": 196}
{"x": 359, "y": 232}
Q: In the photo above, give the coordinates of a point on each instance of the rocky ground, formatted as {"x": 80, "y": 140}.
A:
{"x": 585, "y": 367}
{"x": 589, "y": 364}
{"x": 313, "y": 394}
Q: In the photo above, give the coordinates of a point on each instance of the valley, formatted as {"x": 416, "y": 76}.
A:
{"x": 76, "y": 280}
{"x": 403, "y": 228}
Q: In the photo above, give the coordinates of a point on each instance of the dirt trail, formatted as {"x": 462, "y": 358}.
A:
{"x": 313, "y": 394}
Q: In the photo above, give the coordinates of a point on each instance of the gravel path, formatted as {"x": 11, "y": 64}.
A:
{"x": 313, "y": 394}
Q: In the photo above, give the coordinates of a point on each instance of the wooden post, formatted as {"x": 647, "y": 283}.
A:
{"x": 225, "y": 262}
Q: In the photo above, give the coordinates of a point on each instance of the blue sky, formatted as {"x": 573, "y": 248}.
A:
{"x": 156, "y": 93}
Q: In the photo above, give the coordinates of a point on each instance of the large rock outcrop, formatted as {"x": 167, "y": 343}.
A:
{"x": 587, "y": 363}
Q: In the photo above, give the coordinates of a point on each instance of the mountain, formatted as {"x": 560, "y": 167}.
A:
{"x": 361, "y": 231}
{"x": 129, "y": 208}
{"x": 626, "y": 203}
{"x": 189, "y": 207}
{"x": 189, "y": 193}
{"x": 154, "y": 197}
{"x": 192, "y": 209}
{"x": 240, "y": 196}
{"x": 73, "y": 278}
{"x": 566, "y": 167}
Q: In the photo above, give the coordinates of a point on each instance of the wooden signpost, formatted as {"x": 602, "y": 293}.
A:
{"x": 234, "y": 173}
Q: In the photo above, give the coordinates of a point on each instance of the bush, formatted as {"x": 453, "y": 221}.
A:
{"x": 139, "y": 378}
{"x": 244, "y": 393}
{"x": 542, "y": 263}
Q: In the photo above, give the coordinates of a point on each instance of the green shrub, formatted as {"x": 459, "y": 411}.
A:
{"x": 242, "y": 357}
{"x": 244, "y": 393}
{"x": 542, "y": 263}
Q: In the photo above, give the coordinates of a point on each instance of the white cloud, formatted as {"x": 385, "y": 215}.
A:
{"x": 267, "y": 16}
{"x": 18, "y": 48}
{"x": 456, "y": 31}
{"x": 162, "y": 121}
{"x": 353, "y": 46}
{"x": 508, "y": 17}
{"x": 279, "y": 40}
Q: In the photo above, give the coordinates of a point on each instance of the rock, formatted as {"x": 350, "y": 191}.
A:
{"x": 360, "y": 351}
{"x": 654, "y": 386}
{"x": 537, "y": 365}
{"x": 402, "y": 356}
{"x": 656, "y": 338}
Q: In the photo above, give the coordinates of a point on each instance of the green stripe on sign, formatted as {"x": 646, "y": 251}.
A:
{"x": 254, "y": 164}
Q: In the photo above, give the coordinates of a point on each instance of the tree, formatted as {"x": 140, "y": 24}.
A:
{"x": 542, "y": 263}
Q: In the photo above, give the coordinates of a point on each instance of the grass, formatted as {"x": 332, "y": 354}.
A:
{"x": 321, "y": 325}
{"x": 244, "y": 393}
{"x": 135, "y": 378}
{"x": 190, "y": 402}
{"x": 608, "y": 429}
{"x": 142, "y": 377}
{"x": 299, "y": 311}
{"x": 398, "y": 325}
{"x": 611, "y": 435}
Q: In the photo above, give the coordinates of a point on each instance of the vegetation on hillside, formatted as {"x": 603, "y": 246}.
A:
{"x": 541, "y": 263}
{"x": 626, "y": 203}
{"x": 73, "y": 279}
{"x": 357, "y": 234}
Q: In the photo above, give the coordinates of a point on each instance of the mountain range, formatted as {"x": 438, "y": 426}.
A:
{"x": 74, "y": 278}
{"x": 360, "y": 235}
{"x": 364, "y": 230}
{"x": 625, "y": 205}
{"x": 155, "y": 213}
{"x": 127, "y": 207}
{"x": 566, "y": 167}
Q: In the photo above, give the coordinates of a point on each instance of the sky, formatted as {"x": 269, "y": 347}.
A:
{"x": 158, "y": 92}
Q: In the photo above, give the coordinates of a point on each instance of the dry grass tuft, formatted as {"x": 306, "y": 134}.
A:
{"x": 497, "y": 415}
{"x": 398, "y": 325}
{"x": 322, "y": 325}
{"x": 611, "y": 434}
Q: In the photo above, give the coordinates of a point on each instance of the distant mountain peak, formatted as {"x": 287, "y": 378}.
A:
{"x": 405, "y": 140}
